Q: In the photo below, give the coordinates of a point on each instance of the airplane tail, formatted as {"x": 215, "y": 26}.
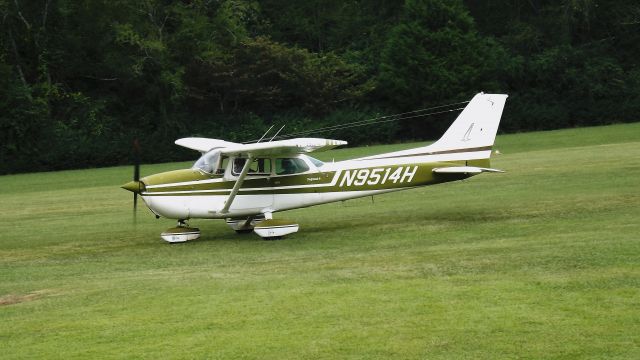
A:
{"x": 473, "y": 132}
{"x": 476, "y": 126}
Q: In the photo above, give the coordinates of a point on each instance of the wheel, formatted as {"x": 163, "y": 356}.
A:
{"x": 244, "y": 231}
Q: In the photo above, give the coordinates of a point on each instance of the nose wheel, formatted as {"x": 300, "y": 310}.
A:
{"x": 181, "y": 233}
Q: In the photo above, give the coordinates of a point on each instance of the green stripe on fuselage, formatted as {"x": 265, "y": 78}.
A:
{"x": 177, "y": 176}
{"x": 364, "y": 179}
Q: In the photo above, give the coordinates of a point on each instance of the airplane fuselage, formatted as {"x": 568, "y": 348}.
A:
{"x": 190, "y": 193}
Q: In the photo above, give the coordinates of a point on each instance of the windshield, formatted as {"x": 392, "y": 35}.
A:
{"x": 208, "y": 162}
{"x": 315, "y": 161}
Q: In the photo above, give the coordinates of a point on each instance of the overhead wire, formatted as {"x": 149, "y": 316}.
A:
{"x": 348, "y": 126}
{"x": 376, "y": 120}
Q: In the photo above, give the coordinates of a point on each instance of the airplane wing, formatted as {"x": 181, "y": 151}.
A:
{"x": 464, "y": 170}
{"x": 204, "y": 144}
{"x": 283, "y": 147}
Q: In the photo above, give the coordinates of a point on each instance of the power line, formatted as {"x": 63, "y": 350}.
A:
{"x": 377, "y": 120}
{"x": 350, "y": 125}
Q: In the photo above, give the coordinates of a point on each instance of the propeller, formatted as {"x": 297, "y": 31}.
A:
{"x": 136, "y": 174}
{"x": 135, "y": 186}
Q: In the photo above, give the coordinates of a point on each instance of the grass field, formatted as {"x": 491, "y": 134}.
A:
{"x": 540, "y": 262}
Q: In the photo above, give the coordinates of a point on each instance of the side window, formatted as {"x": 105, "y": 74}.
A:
{"x": 238, "y": 164}
{"x": 259, "y": 166}
{"x": 285, "y": 166}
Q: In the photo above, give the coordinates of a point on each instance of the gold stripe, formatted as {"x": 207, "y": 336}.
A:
{"x": 484, "y": 148}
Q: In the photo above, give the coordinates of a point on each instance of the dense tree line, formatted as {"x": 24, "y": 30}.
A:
{"x": 80, "y": 79}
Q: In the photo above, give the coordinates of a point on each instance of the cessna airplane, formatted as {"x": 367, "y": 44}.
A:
{"x": 247, "y": 183}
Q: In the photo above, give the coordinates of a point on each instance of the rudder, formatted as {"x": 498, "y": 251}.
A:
{"x": 476, "y": 126}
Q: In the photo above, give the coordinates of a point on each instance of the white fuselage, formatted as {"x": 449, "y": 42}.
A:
{"x": 350, "y": 179}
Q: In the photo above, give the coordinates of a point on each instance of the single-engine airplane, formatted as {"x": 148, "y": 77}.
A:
{"x": 245, "y": 184}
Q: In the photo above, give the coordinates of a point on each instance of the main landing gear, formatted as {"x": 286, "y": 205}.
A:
{"x": 264, "y": 225}
{"x": 273, "y": 229}
{"x": 244, "y": 225}
{"x": 181, "y": 233}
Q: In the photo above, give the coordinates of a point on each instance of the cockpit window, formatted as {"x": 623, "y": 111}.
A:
{"x": 259, "y": 166}
{"x": 201, "y": 165}
{"x": 207, "y": 162}
{"x": 211, "y": 161}
{"x": 315, "y": 161}
{"x": 286, "y": 166}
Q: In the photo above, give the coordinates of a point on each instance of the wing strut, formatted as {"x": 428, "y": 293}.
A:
{"x": 238, "y": 184}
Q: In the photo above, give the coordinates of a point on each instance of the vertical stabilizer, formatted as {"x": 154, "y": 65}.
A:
{"x": 473, "y": 131}
{"x": 476, "y": 126}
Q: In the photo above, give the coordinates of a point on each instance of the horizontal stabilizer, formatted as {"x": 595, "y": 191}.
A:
{"x": 464, "y": 170}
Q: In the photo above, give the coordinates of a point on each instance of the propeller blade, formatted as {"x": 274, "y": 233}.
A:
{"x": 136, "y": 175}
{"x": 135, "y": 207}
{"x": 136, "y": 160}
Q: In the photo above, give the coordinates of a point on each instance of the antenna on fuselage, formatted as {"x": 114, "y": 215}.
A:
{"x": 274, "y": 136}
{"x": 265, "y": 134}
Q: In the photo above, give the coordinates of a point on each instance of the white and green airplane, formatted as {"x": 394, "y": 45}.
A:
{"x": 247, "y": 183}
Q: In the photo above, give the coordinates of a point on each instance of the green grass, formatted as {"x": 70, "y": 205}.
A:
{"x": 540, "y": 262}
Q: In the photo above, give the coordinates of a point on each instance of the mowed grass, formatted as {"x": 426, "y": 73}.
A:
{"x": 540, "y": 262}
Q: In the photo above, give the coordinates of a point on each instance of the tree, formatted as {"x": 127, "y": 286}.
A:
{"x": 434, "y": 54}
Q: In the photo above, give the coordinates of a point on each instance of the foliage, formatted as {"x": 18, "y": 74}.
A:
{"x": 421, "y": 59}
{"x": 81, "y": 79}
